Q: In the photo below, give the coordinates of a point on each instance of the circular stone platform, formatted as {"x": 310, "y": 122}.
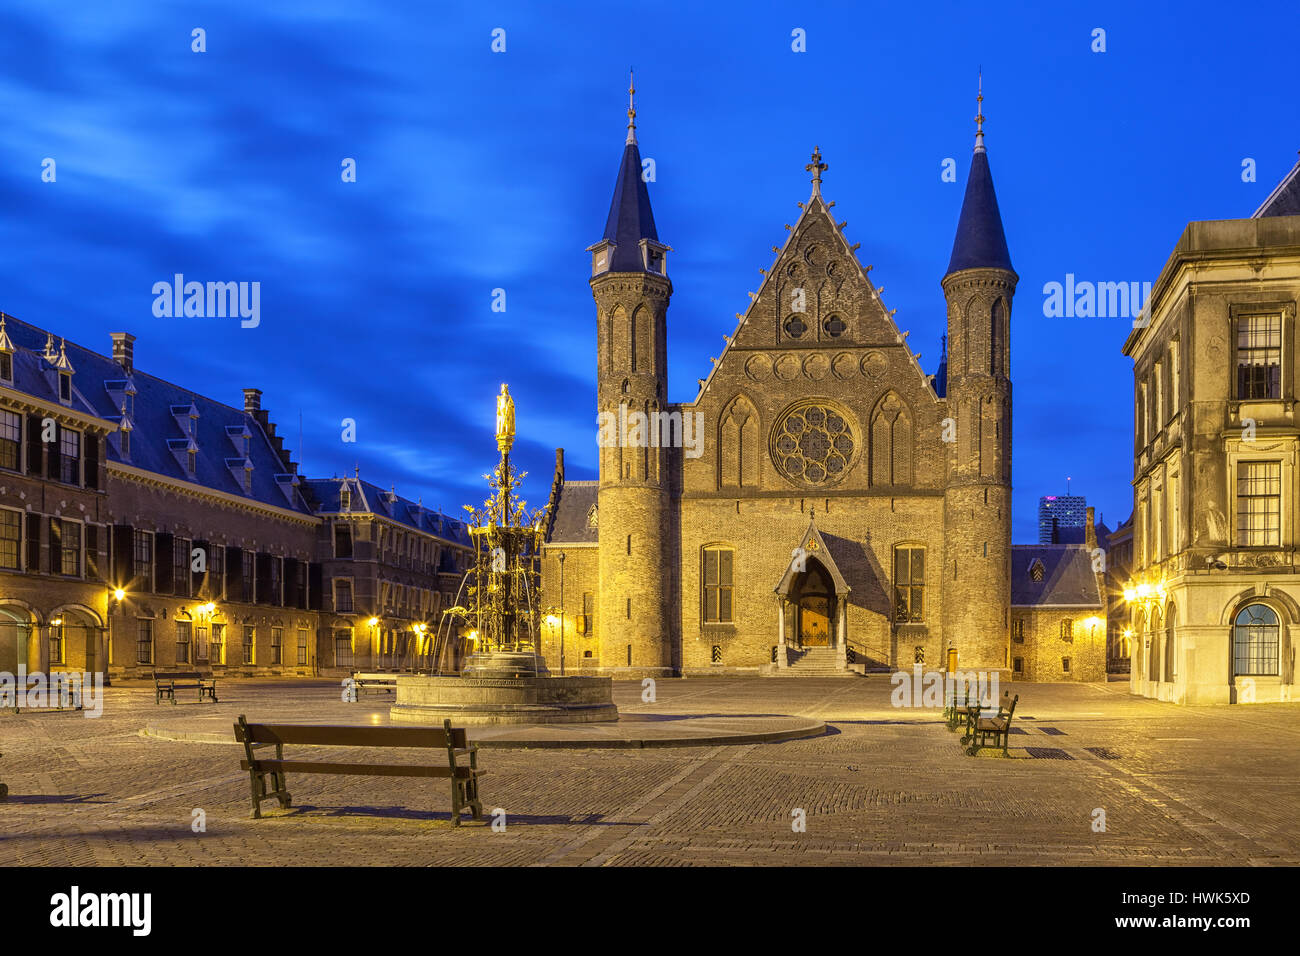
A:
{"x": 632, "y": 731}
{"x": 490, "y": 697}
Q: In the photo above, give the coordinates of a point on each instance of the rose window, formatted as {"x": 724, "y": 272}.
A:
{"x": 813, "y": 443}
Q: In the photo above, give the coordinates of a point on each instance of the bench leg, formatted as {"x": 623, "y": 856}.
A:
{"x": 257, "y": 784}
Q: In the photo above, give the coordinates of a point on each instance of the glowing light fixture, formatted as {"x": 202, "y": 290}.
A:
{"x": 118, "y": 594}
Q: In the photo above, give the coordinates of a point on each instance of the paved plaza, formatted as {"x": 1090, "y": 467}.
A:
{"x": 1178, "y": 785}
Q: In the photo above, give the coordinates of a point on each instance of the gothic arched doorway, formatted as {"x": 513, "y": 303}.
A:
{"x": 812, "y": 597}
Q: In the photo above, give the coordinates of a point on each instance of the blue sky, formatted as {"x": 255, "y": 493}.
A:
{"x": 481, "y": 170}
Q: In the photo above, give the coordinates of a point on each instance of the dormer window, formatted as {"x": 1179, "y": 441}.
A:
{"x": 65, "y": 388}
{"x": 6, "y": 354}
{"x": 345, "y": 498}
{"x": 653, "y": 256}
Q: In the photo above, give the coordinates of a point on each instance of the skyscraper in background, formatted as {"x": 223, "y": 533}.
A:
{"x": 1062, "y": 519}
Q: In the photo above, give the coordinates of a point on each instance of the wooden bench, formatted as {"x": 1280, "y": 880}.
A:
{"x": 961, "y": 709}
{"x": 380, "y": 682}
{"x": 995, "y": 730}
{"x": 165, "y": 684}
{"x": 452, "y": 741}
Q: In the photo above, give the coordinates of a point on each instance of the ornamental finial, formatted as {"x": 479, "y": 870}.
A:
{"x": 817, "y": 167}
{"x": 631, "y": 108}
{"x": 979, "y": 113}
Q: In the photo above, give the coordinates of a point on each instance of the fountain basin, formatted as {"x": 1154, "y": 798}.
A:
{"x": 503, "y": 700}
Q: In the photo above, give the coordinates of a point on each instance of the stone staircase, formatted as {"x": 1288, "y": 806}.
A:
{"x": 816, "y": 662}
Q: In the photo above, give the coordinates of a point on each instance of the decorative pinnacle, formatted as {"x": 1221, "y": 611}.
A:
{"x": 817, "y": 167}
{"x": 631, "y": 108}
{"x": 979, "y": 113}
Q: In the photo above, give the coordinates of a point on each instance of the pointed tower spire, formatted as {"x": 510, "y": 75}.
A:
{"x": 981, "y": 242}
{"x": 630, "y": 242}
{"x": 631, "y": 107}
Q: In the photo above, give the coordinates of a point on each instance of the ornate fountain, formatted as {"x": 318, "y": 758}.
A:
{"x": 504, "y": 680}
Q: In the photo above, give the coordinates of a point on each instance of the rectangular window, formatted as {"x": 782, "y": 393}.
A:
{"x": 181, "y": 566}
{"x": 343, "y": 596}
{"x": 200, "y": 642}
{"x": 276, "y": 565}
{"x": 65, "y": 547}
{"x": 1067, "y": 630}
{"x": 144, "y": 641}
{"x": 143, "y": 544}
{"x": 56, "y": 645}
{"x": 1018, "y": 631}
{"x": 303, "y": 657}
{"x": 250, "y": 643}
{"x": 1259, "y": 356}
{"x": 248, "y": 574}
{"x": 1065, "y": 664}
{"x": 1019, "y": 665}
{"x": 183, "y": 635}
{"x": 1259, "y": 503}
{"x": 343, "y": 648}
{"x": 6, "y": 366}
{"x": 69, "y": 456}
{"x": 718, "y": 586}
{"x": 11, "y": 438}
{"x": 11, "y": 539}
{"x": 342, "y": 541}
{"x": 909, "y": 585}
{"x": 217, "y": 650}
{"x": 277, "y": 644}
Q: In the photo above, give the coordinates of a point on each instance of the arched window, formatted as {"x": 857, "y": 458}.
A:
{"x": 717, "y": 568}
{"x": 1255, "y": 639}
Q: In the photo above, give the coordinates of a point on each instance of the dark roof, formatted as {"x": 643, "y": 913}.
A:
{"x": 571, "y": 526}
{"x": 1284, "y": 200}
{"x": 159, "y": 438}
{"x": 1068, "y": 578}
{"x": 630, "y": 219}
{"x": 980, "y": 242}
{"x": 369, "y": 498}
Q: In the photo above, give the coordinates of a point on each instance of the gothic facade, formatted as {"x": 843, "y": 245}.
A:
{"x": 823, "y": 505}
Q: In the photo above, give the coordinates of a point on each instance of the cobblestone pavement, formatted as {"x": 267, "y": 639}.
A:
{"x": 1199, "y": 785}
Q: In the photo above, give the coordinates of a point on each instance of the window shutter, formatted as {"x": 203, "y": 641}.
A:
{"x": 123, "y": 555}
{"x": 291, "y": 592}
{"x": 34, "y": 444}
{"x": 34, "y": 543}
{"x": 262, "y": 569}
{"x": 52, "y": 455}
{"x": 198, "y": 579}
{"x": 164, "y": 581}
{"x": 56, "y": 551}
{"x": 90, "y": 449}
{"x": 315, "y": 587}
{"x": 92, "y": 553}
{"x": 235, "y": 575}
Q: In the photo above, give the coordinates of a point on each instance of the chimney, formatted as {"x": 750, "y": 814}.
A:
{"x": 124, "y": 350}
{"x": 1090, "y": 529}
{"x": 252, "y": 400}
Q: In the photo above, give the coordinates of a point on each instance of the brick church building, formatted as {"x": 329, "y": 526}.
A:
{"x": 823, "y": 504}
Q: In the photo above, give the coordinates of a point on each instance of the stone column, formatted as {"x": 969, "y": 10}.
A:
{"x": 841, "y": 637}
{"x": 781, "y": 661}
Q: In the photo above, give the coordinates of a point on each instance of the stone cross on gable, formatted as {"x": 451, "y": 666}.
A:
{"x": 817, "y": 167}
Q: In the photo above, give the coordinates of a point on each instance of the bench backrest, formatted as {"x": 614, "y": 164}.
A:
{"x": 1008, "y": 709}
{"x": 180, "y": 675}
{"x": 347, "y": 735}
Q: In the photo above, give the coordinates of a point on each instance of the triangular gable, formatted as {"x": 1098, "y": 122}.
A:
{"x": 812, "y": 545}
{"x": 815, "y": 231}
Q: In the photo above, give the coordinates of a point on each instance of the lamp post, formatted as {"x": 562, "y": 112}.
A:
{"x": 561, "y": 613}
